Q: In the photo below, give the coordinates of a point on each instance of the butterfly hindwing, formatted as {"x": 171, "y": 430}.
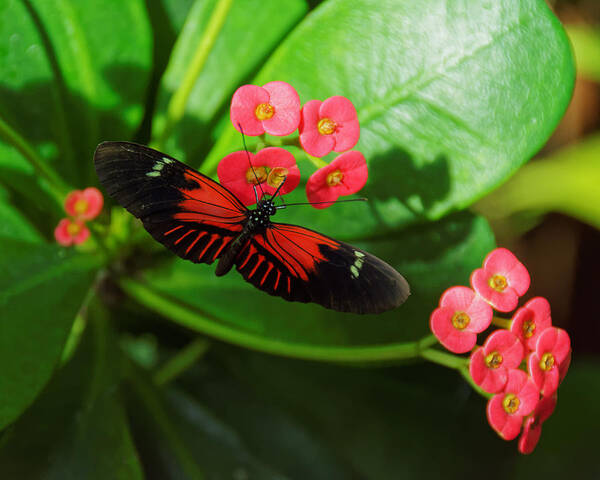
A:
{"x": 302, "y": 265}
{"x": 186, "y": 211}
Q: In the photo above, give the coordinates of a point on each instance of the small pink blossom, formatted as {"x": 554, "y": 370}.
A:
{"x": 552, "y": 349}
{"x": 269, "y": 168}
{"x": 347, "y": 174}
{"x": 502, "y": 280}
{"x": 460, "y": 317}
{"x": 84, "y": 204}
{"x": 273, "y": 108}
{"x": 531, "y": 320}
{"x": 71, "y": 232}
{"x": 329, "y": 125}
{"x": 505, "y": 411}
{"x": 532, "y": 429}
{"x": 489, "y": 365}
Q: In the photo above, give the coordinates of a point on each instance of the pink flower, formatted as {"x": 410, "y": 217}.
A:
{"x": 347, "y": 174}
{"x": 490, "y": 364}
{"x": 460, "y": 317}
{"x": 273, "y": 108}
{"x": 84, "y": 204}
{"x": 533, "y": 424}
{"x": 552, "y": 349}
{"x": 329, "y": 125}
{"x": 531, "y": 320}
{"x": 71, "y": 232}
{"x": 502, "y": 280}
{"x": 506, "y": 410}
{"x": 270, "y": 166}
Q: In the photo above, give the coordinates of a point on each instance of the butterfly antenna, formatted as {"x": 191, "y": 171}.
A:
{"x": 322, "y": 203}
{"x": 250, "y": 163}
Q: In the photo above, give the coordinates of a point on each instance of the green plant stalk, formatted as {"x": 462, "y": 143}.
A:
{"x": 58, "y": 187}
{"x": 443, "y": 358}
{"x": 178, "y": 102}
{"x": 565, "y": 182}
{"x": 196, "y": 321}
{"x": 181, "y": 361}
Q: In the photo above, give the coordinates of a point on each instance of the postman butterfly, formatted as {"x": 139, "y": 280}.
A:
{"x": 202, "y": 221}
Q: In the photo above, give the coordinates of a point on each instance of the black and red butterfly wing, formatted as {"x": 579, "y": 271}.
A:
{"x": 186, "y": 211}
{"x": 302, "y": 265}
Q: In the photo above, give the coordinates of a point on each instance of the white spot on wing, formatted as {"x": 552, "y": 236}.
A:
{"x": 153, "y": 174}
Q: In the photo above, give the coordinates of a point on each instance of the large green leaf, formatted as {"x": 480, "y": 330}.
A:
{"x": 77, "y": 429}
{"x": 250, "y": 32}
{"x": 12, "y": 223}
{"x": 73, "y": 74}
{"x": 432, "y": 257}
{"x": 42, "y": 287}
{"x": 452, "y": 96}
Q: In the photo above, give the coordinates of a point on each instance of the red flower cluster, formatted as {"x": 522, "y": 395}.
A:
{"x": 80, "y": 205}
{"x": 323, "y": 127}
{"x": 516, "y": 364}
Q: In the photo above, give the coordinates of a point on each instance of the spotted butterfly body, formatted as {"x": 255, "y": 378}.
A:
{"x": 202, "y": 221}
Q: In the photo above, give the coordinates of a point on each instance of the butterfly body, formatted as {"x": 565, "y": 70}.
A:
{"x": 202, "y": 221}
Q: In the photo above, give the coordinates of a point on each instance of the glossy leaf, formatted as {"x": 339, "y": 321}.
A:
{"x": 42, "y": 287}
{"x": 432, "y": 258}
{"x": 249, "y": 34}
{"x": 78, "y": 427}
{"x": 452, "y": 99}
{"x": 73, "y": 74}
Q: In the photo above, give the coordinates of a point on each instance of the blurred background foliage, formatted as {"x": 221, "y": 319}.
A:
{"x": 126, "y": 363}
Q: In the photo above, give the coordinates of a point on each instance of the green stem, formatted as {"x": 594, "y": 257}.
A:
{"x": 180, "y": 362}
{"x": 178, "y": 102}
{"x": 501, "y": 322}
{"x": 58, "y": 188}
{"x": 443, "y": 358}
{"x": 317, "y": 162}
{"x": 195, "y": 320}
{"x": 467, "y": 376}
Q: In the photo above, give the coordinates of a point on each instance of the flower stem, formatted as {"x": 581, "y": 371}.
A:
{"x": 180, "y": 362}
{"x": 57, "y": 186}
{"x": 178, "y": 102}
{"x": 317, "y": 162}
{"x": 501, "y": 322}
{"x": 467, "y": 376}
{"x": 445, "y": 359}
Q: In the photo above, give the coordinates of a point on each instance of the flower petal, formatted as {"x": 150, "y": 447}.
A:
{"x": 504, "y": 301}
{"x": 491, "y": 380}
{"x": 232, "y": 174}
{"x": 95, "y": 200}
{"x": 72, "y": 198}
{"x": 310, "y": 139}
{"x": 457, "y": 341}
{"x": 82, "y": 236}
{"x": 273, "y": 157}
{"x": 545, "y": 380}
{"x": 506, "y": 344}
{"x": 339, "y": 109}
{"x": 537, "y": 311}
{"x": 354, "y": 169}
{"x": 507, "y": 426}
{"x": 530, "y": 436}
{"x": 286, "y": 102}
{"x": 61, "y": 233}
{"x": 554, "y": 340}
{"x": 346, "y": 136}
{"x": 243, "y": 107}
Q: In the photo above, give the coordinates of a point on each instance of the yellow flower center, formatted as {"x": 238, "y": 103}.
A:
{"x": 256, "y": 176}
{"x": 277, "y": 176}
{"x": 460, "y": 320}
{"x": 73, "y": 228}
{"x": 326, "y": 126}
{"x": 264, "y": 111}
{"x": 334, "y": 178}
{"x": 528, "y": 328}
{"x": 547, "y": 361}
{"x": 511, "y": 403}
{"x": 80, "y": 206}
{"x": 498, "y": 282}
{"x": 493, "y": 360}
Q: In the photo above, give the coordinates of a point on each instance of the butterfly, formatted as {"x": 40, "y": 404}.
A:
{"x": 202, "y": 221}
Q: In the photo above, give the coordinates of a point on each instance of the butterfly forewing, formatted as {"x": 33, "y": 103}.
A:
{"x": 302, "y": 265}
{"x": 186, "y": 211}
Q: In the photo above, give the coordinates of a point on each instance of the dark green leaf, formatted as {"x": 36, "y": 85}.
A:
{"x": 250, "y": 33}
{"x": 12, "y": 223}
{"x": 432, "y": 257}
{"x": 452, "y": 98}
{"x": 42, "y": 287}
{"x": 77, "y": 429}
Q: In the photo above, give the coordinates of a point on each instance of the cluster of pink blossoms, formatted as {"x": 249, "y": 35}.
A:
{"x": 516, "y": 365}
{"x": 323, "y": 127}
{"x": 81, "y": 206}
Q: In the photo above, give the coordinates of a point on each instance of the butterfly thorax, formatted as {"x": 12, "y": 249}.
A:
{"x": 259, "y": 218}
